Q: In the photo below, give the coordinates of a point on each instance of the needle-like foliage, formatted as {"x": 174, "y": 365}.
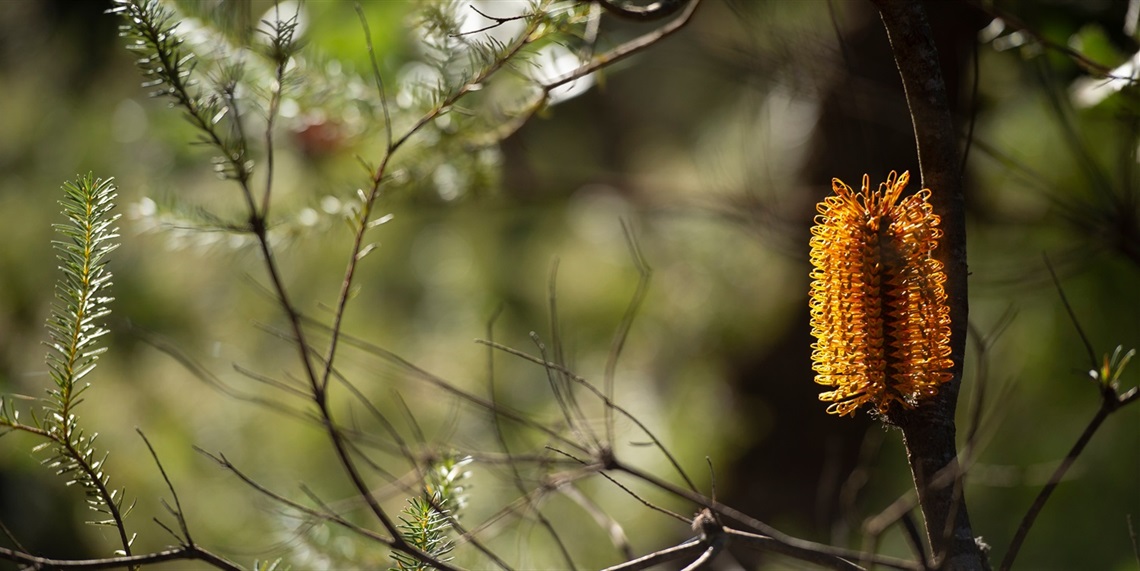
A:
{"x": 74, "y": 332}
{"x": 74, "y": 327}
{"x": 426, "y": 521}
{"x": 151, "y": 29}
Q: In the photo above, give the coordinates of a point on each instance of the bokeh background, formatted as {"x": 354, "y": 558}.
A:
{"x": 713, "y": 148}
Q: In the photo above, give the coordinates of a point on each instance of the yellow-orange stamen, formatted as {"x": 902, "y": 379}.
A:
{"x": 878, "y": 304}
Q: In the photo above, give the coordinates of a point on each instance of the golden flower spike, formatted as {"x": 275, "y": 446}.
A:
{"x": 878, "y": 305}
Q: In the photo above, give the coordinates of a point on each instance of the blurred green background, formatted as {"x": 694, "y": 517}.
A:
{"x": 713, "y": 146}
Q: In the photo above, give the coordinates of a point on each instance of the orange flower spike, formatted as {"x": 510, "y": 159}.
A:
{"x": 878, "y": 304}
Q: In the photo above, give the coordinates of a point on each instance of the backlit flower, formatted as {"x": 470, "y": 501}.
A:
{"x": 878, "y": 304}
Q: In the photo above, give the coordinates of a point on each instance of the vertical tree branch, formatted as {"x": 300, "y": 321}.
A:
{"x": 929, "y": 430}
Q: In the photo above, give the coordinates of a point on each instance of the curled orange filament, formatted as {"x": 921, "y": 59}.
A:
{"x": 878, "y": 303}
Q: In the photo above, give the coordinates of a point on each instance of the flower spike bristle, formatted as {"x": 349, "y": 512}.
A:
{"x": 878, "y": 301}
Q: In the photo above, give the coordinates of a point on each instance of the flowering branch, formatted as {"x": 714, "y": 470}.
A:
{"x": 929, "y": 431}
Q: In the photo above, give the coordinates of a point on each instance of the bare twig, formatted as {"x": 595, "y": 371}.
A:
{"x": 529, "y": 500}
{"x": 442, "y": 384}
{"x": 376, "y": 74}
{"x": 825, "y": 555}
{"x": 661, "y": 556}
{"x": 225, "y": 463}
{"x": 1111, "y": 401}
{"x": 706, "y": 557}
{"x": 974, "y": 106}
{"x": 627, "y": 490}
{"x": 774, "y": 545}
{"x": 1072, "y": 315}
{"x": 644, "y": 274}
{"x": 609, "y": 403}
{"x": 184, "y": 553}
{"x": 177, "y": 510}
{"x": 20, "y": 546}
{"x": 516, "y": 477}
{"x": 559, "y": 386}
{"x": 1109, "y": 404}
{"x": 1043, "y": 496}
{"x": 604, "y": 520}
{"x": 982, "y": 346}
{"x": 496, "y": 21}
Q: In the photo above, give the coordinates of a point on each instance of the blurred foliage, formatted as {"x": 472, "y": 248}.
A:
{"x": 713, "y": 146}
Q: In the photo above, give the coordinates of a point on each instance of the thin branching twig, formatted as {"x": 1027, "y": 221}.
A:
{"x": 1106, "y": 375}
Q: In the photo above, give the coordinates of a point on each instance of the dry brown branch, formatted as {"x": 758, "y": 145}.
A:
{"x": 185, "y": 553}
